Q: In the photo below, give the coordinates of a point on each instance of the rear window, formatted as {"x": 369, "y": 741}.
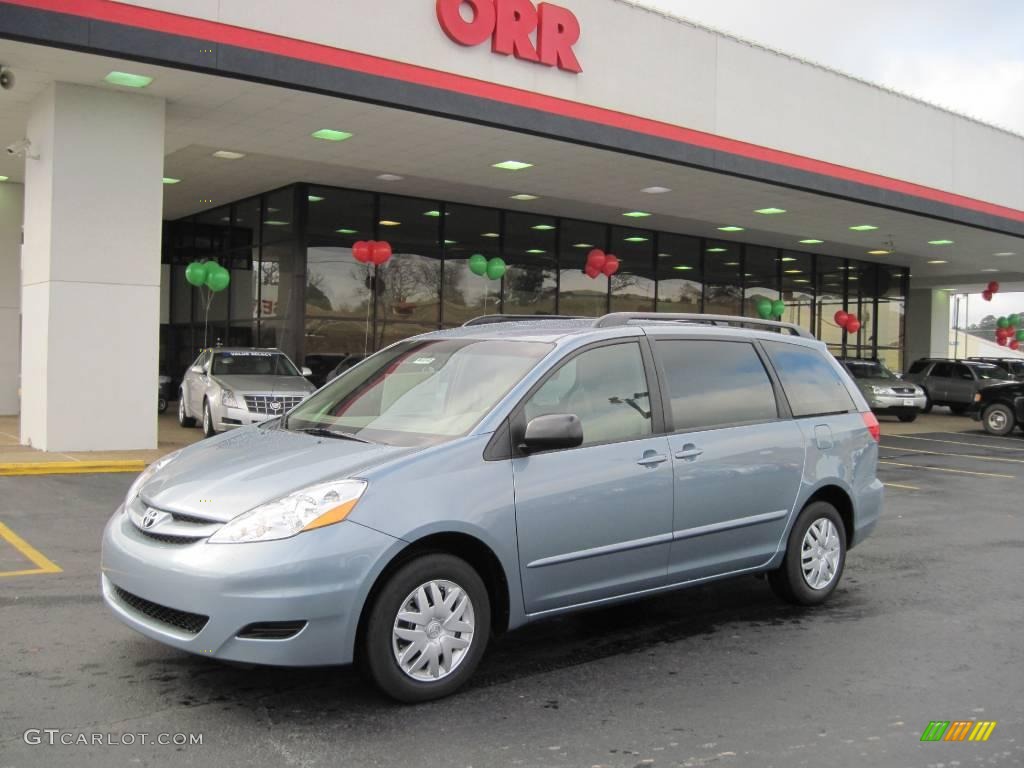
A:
{"x": 716, "y": 383}
{"x": 918, "y": 366}
{"x": 812, "y": 385}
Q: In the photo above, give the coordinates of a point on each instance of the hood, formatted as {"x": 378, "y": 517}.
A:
{"x": 265, "y": 384}
{"x": 887, "y": 383}
{"x": 239, "y": 470}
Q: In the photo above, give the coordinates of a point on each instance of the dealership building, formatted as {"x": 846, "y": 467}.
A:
{"x": 271, "y": 137}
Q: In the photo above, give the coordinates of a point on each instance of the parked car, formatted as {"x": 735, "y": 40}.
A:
{"x": 230, "y": 387}
{"x": 164, "y": 393}
{"x": 885, "y": 392}
{"x": 953, "y": 382}
{"x": 1012, "y": 365}
{"x": 1000, "y": 407}
{"x": 468, "y": 481}
{"x": 321, "y": 366}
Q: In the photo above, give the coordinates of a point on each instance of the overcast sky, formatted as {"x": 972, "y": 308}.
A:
{"x": 967, "y": 55}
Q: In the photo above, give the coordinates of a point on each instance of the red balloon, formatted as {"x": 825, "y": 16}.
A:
{"x": 993, "y": 287}
{"x": 361, "y": 251}
{"x": 841, "y": 318}
{"x": 1014, "y": 345}
{"x": 986, "y": 295}
{"x": 852, "y": 325}
{"x": 1001, "y": 341}
{"x": 380, "y": 252}
{"x": 1002, "y": 333}
{"x": 1011, "y": 331}
{"x": 591, "y": 272}
{"x": 596, "y": 259}
{"x": 611, "y": 265}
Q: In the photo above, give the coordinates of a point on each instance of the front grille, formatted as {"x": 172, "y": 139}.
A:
{"x": 166, "y": 539}
{"x": 262, "y": 403}
{"x": 903, "y": 390}
{"x": 192, "y": 623}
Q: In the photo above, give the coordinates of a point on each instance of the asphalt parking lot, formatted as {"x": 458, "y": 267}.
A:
{"x": 927, "y": 625}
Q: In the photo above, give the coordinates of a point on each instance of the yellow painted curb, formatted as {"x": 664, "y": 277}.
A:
{"x": 70, "y": 467}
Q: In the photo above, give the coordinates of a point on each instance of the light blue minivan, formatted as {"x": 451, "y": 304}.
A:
{"x": 466, "y": 482}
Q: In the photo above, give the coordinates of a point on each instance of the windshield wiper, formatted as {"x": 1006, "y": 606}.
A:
{"x": 321, "y": 432}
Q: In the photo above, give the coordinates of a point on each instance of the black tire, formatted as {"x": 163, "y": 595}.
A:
{"x": 958, "y": 410}
{"x": 906, "y": 418}
{"x": 788, "y": 581}
{"x": 927, "y": 403}
{"x": 183, "y": 418}
{"x": 161, "y": 405}
{"x": 209, "y": 430}
{"x": 998, "y": 419}
{"x": 378, "y": 654}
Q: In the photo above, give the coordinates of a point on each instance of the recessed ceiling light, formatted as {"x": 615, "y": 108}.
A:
{"x": 948, "y": 289}
{"x": 490, "y": 234}
{"x": 276, "y": 223}
{"x": 682, "y": 268}
{"x": 864, "y": 228}
{"x": 389, "y": 223}
{"x": 788, "y": 258}
{"x": 801, "y": 281}
{"x": 347, "y": 231}
{"x": 542, "y": 227}
{"x": 1006, "y": 253}
{"x": 730, "y": 229}
{"x": 940, "y": 242}
{"x": 990, "y": 269}
{"x": 655, "y": 190}
{"x": 432, "y": 214}
{"x": 854, "y": 278}
{"x": 225, "y": 218}
{"x": 128, "y": 80}
{"x": 167, "y": 180}
{"x": 811, "y": 241}
{"x": 582, "y": 245}
{"x": 879, "y": 253}
{"x": 937, "y": 261}
{"x": 535, "y": 251}
{"x": 636, "y": 239}
{"x": 524, "y": 198}
{"x": 328, "y": 134}
{"x": 314, "y": 198}
{"x": 451, "y": 242}
{"x": 226, "y": 154}
{"x": 512, "y": 165}
{"x": 390, "y": 177}
{"x": 636, "y": 214}
{"x": 5, "y": 178}
{"x": 731, "y": 264}
{"x": 770, "y": 211}
{"x": 717, "y": 250}
{"x": 794, "y": 271}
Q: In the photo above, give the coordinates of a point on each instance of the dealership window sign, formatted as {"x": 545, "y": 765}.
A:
{"x": 545, "y": 33}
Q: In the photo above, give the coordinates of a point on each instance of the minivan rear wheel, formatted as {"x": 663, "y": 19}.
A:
{"x": 998, "y": 420}
{"x": 427, "y": 629}
{"x": 815, "y": 556}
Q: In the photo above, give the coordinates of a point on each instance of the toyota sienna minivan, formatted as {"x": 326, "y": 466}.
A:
{"x": 466, "y": 482}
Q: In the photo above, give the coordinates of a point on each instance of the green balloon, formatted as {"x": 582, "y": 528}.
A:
{"x": 764, "y": 308}
{"x": 778, "y": 308}
{"x": 1020, "y": 335}
{"x": 1003, "y": 322}
{"x": 1014, "y": 320}
{"x": 217, "y": 278}
{"x": 478, "y": 264}
{"x": 496, "y": 269}
{"x": 195, "y": 273}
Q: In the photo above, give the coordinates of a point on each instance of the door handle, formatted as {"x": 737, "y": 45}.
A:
{"x": 690, "y": 451}
{"x": 652, "y": 460}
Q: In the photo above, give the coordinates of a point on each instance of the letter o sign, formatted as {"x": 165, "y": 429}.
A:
{"x": 464, "y": 32}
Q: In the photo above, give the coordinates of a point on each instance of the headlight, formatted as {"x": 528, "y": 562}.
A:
{"x": 147, "y": 475}
{"x": 227, "y": 397}
{"x": 305, "y": 510}
{"x": 880, "y": 390}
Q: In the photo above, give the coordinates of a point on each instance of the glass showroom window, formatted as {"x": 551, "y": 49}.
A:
{"x": 891, "y": 315}
{"x": 632, "y": 287}
{"x": 798, "y": 288}
{"x": 722, "y": 278}
{"x": 861, "y": 291}
{"x": 577, "y": 293}
{"x": 680, "y": 284}
{"x": 760, "y": 278}
{"x": 831, "y": 292}
{"x": 469, "y": 230}
{"x": 530, "y": 251}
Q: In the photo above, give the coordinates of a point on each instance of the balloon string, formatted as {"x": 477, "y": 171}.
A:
{"x": 369, "y": 304}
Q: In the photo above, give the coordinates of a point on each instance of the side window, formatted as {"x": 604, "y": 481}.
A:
{"x": 715, "y": 383}
{"x": 606, "y": 388}
{"x": 812, "y": 385}
{"x": 942, "y": 370}
{"x": 962, "y": 372}
{"x": 918, "y": 366}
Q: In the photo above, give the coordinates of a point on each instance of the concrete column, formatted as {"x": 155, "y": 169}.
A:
{"x": 91, "y": 270}
{"x": 10, "y": 295}
{"x": 927, "y": 324}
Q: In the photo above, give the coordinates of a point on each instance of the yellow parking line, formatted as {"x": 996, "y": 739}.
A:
{"x": 953, "y": 471}
{"x": 957, "y": 442}
{"x": 904, "y": 487}
{"x": 43, "y": 564}
{"x": 961, "y": 455}
{"x": 75, "y": 467}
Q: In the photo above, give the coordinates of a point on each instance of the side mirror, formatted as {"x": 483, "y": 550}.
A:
{"x": 306, "y": 371}
{"x": 197, "y": 369}
{"x": 553, "y": 431}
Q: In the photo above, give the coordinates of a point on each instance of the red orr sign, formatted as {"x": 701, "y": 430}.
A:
{"x": 510, "y": 25}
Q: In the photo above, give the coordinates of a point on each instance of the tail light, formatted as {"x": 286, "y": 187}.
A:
{"x": 872, "y": 424}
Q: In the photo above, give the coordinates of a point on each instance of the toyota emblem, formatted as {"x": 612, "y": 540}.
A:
{"x": 150, "y": 518}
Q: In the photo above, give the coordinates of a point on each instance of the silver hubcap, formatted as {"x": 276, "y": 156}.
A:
{"x": 206, "y": 418}
{"x": 997, "y": 420}
{"x": 433, "y": 630}
{"x": 819, "y": 554}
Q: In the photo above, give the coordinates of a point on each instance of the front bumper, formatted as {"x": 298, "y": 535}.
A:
{"x": 897, "y": 403}
{"x": 320, "y": 577}
{"x": 226, "y": 418}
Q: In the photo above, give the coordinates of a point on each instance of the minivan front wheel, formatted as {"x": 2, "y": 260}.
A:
{"x": 427, "y": 628}
{"x": 815, "y": 556}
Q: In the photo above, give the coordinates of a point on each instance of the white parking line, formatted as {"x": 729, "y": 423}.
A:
{"x": 960, "y": 455}
{"x": 952, "y": 471}
{"x": 1017, "y": 440}
{"x": 954, "y": 442}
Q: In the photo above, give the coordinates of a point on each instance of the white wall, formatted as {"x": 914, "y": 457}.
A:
{"x": 642, "y": 63}
{"x": 10, "y": 294}
{"x": 927, "y": 330}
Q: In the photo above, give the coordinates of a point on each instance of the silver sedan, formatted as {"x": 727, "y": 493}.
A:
{"x": 233, "y": 387}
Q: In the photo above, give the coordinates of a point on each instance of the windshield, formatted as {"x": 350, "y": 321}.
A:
{"x": 989, "y": 371}
{"x": 869, "y": 369}
{"x": 419, "y": 392}
{"x": 252, "y": 363}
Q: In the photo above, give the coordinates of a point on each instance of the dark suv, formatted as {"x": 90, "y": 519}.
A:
{"x": 1000, "y": 407}
{"x": 1012, "y": 365}
{"x": 953, "y": 382}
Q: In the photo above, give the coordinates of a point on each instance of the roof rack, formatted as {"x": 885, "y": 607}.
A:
{"x": 624, "y": 318}
{"x": 493, "y": 319}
